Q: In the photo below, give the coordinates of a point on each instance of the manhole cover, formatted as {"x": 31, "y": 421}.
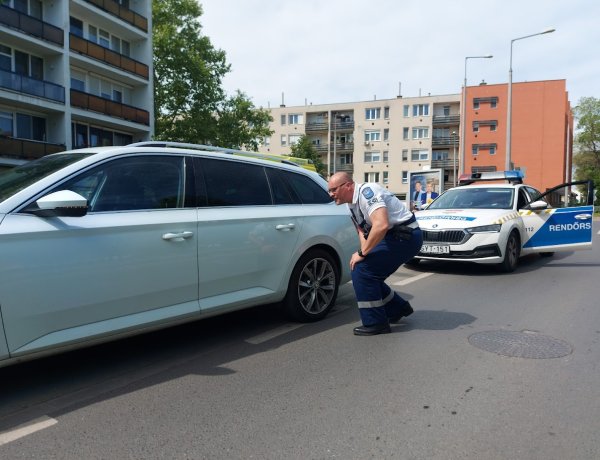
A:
{"x": 525, "y": 344}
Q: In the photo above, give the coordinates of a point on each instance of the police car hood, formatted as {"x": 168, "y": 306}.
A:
{"x": 437, "y": 219}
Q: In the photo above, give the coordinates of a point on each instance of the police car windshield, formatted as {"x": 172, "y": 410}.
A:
{"x": 475, "y": 198}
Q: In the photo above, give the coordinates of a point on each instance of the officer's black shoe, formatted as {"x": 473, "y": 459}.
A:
{"x": 372, "y": 330}
{"x": 405, "y": 311}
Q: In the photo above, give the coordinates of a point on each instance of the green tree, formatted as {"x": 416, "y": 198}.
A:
{"x": 587, "y": 141}
{"x": 304, "y": 149}
{"x": 190, "y": 102}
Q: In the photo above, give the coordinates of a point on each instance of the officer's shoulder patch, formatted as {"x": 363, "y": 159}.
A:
{"x": 368, "y": 193}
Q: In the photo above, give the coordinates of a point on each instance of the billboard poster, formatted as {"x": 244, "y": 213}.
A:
{"x": 424, "y": 187}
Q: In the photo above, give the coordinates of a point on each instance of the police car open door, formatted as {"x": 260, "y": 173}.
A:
{"x": 559, "y": 219}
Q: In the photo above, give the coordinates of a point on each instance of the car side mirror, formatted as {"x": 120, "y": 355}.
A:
{"x": 63, "y": 203}
{"x": 537, "y": 205}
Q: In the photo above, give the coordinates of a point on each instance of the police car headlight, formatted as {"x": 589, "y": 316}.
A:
{"x": 494, "y": 228}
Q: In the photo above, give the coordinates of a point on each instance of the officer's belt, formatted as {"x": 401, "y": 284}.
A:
{"x": 405, "y": 227}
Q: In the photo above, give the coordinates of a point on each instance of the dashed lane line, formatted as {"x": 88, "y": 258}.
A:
{"x": 20, "y": 432}
{"x": 412, "y": 279}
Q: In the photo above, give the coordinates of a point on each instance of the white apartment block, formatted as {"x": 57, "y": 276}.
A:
{"x": 73, "y": 74}
{"x": 376, "y": 141}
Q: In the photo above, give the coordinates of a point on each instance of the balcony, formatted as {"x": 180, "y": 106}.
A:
{"x": 446, "y": 119}
{"x": 445, "y": 140}
{"x": 31, "y": 26}
{"x": 107, "y": 56}
{"x": 342, "y": 125}
{"x": 107, "y": 107}
{"x": 24, "y": 149}
{"x": 127, "y": 15}
{"x": 443, "y": 164}
{"x": 311, "y": 127}
{"x": 32, "y": 86}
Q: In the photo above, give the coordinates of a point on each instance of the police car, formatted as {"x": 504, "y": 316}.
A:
{"x": 487, "y": 222}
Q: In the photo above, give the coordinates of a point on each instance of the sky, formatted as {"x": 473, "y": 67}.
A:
{"x": 331, "y": 51}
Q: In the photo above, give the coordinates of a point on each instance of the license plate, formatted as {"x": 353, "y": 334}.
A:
{"x": 435, "y": 249}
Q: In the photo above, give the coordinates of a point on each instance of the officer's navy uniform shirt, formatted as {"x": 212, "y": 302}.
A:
{"x": 371, "y": 196}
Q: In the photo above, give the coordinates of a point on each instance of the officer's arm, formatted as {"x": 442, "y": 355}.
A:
{"x": 379, "y": 219}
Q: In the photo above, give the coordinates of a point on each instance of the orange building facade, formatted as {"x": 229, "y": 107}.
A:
{"x": 542, "y": 130}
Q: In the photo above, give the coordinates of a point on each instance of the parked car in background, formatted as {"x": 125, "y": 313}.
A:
{"x": 495, "y": 223}
{"x": 102, "y": 243}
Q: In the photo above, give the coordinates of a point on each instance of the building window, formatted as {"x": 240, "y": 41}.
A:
{"x": 406, "y": 110}
{"x": 420, "y": 110}
{"x": 294, "y": 139}
{"x": 283, "y": 140}
{"x": 346, "y": 159}
{"x": 475, "y": 150}
{"x": 405, "y": 177}
{"x": 420, "y": 133}
{"x": 295, "y": 119}
{"x": 419, "y": 155}
{"x": 385, "y": 177}
{"x": 31, "y": 127}
{"x": 386, "y": 156}
{"x": 440, "y": 155}
{"x": 386, "y": 134}
{"x": 76, "y": 27}
{"x": 492, "y": 150}
{"x": 283, "y": 117}
{"x": 266, "y": 141}
{"x": 405, "y": 134}
{"x": 372, "y": 157}
{"x": 6, "y": 124}
{"x": 386, "y": 113}
{"x": 493, "y": 101}
{"x": 446, "y": 111}
{"x": 372, "y": 177}
{"x": 475, "y": 126}
{"x": 372, "y": 136}
{"x": 404, "y": 155}
{"x": 373, "y": 114}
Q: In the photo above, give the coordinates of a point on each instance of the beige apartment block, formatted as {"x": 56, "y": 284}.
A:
{"x": 376, "y": 141}
{"x": 73, "y": 73}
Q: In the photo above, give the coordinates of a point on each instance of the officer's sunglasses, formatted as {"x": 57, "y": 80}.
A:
{"x": 335, "y": 189}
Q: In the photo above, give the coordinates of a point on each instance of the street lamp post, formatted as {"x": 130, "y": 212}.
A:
{"x": 463, "y": 113}
{"x": 454, "y": 170}
{"x": 509, "y": 109}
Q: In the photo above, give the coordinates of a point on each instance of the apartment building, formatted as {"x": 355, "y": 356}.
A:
{"x": 73, "y": 74}
{"x": 377, "y": 141}
{"x": 541, "y": 134}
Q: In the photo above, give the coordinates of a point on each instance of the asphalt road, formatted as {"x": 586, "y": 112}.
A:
{"x": 490, "y": 366}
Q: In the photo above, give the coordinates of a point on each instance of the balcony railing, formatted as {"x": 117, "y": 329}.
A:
{"x": 443, "y": 164}
{"x": 32, "y": 86}
{"x": 342, "y": 125}
{"x": 445, "y": 140}
{"x": 24, "y": 149}
{"x": 446, "y": 119}
{"x": 316, "y": 127}
{"x": 107, "y": 107}
{"x": 31, "y": 26}
{"x": 127, "y": 15}
{"x": 110, "y": 57}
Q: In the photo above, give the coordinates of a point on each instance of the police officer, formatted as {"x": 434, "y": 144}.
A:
{"x": 389, "y": 236}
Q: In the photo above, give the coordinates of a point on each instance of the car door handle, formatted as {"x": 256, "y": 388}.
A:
{"x": 180, "y": 236}
{"x": 285, "y": 227}
{"x": 583, "y": 216}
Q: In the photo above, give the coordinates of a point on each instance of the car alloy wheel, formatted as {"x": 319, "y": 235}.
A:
{"x": 313, "y": 287}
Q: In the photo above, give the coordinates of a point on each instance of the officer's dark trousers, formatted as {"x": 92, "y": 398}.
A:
{"x": 377, "y": 302}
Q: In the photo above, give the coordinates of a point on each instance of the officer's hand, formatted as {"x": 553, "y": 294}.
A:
{"x": 355, "y": 259}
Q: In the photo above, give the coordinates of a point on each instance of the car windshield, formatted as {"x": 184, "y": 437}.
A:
{"x": 14, "y": 180}
{"x": 475, "y": 198}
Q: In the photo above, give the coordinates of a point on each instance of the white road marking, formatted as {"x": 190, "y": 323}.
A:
{"x": 260, "y": 338}
{"x": 412, "y": 279}
{"x": 13, "y": 435}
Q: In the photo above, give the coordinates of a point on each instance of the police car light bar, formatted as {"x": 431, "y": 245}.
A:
{"x": 513, "y": 177}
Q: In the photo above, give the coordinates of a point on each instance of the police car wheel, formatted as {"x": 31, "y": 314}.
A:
{"x": 511, "y": 253}
{"x": 313, "y": 287}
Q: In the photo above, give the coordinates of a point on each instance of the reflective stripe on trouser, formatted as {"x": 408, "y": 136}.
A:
{"x": 377, "y": 302}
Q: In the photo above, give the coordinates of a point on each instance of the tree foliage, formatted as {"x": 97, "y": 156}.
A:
{"x": 304, "y": 149}
{"x": 587, "y": 141}
{"x": 190, "y": 102}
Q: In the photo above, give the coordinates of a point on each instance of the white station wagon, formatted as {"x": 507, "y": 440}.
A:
{"x": 496, "y": 223}
{"x": 101, "y": 243}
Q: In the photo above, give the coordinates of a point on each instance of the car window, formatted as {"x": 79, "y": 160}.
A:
{"x": 306, "y": 189}
{"x": 133, "y": 183}
{"x": 233, "y": 183}
{"x": 533, "y": 193}
{"x": 475, "y": 198}
{"x": 282, "y": 194}
{"x": 523, "y": 199}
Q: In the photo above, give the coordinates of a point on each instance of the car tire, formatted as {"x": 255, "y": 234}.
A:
{"x": 512, "y": 252}
{"x": 312, "y": 288}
